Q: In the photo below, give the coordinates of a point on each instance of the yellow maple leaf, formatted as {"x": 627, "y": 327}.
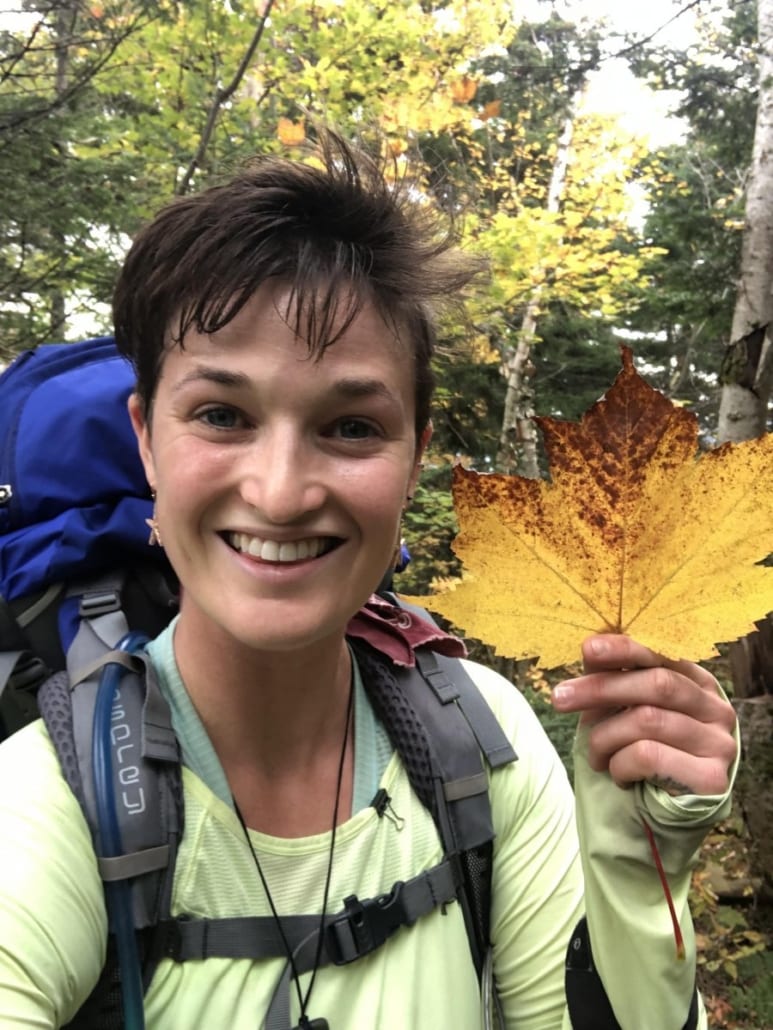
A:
{"x": 634, "y": 533}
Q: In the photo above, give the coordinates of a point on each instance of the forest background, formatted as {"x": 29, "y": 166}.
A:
{"x": 110, "y": 107}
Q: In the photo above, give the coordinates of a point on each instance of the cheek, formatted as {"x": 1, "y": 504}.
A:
{"x": 184, "y": 493}
{"x": 184, "y": 465}
{"x": 381, "y": 495}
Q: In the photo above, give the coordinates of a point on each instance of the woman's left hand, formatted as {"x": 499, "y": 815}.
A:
{"x": 650, "y": 718}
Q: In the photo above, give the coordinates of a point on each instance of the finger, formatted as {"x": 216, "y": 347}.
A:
{"x": 603, "y": 692}
{"x": 668, "y": 768}
{"x": 657, "y": 726}
{"x": 618, "y": 651}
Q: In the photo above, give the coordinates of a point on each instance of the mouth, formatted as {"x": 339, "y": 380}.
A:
{"x": 282, "y": 552}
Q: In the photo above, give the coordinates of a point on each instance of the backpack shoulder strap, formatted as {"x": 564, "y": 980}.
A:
{"x": 446, "y": 735}
{"x": 112, "y": 732}
{"x": 466, "y": 738}
{"x": 451, "y": 683}
{"x": 138, "y": 788}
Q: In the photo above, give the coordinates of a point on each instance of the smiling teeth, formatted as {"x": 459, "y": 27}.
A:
{"x": 270, "y": 550}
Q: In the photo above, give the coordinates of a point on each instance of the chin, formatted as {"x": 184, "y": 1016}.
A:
{"x": 284, "y": 632}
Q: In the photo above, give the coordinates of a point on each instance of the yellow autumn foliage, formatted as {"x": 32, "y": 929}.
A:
{"x": 290, "y": 133}
{"x": 634, "y": 533}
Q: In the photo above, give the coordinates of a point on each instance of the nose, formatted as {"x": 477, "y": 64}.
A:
{"x": 283, "y": 477}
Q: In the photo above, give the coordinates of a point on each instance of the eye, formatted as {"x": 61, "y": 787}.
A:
{"x": 221, "y": 417}
{"x": 355, "y": 429}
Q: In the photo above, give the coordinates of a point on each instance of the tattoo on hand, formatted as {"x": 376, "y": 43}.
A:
{"x": 671, "y": 786}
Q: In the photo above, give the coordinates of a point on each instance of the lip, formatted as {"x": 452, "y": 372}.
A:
{"x": 280, "y": 576}
{"x": 277, "y": 552}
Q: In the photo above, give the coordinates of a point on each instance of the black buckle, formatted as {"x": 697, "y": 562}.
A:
{"x": 29, "y": 673}
{"x": 365, "y": 925}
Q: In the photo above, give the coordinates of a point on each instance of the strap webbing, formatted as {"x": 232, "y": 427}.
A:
{"x": 37, "y": 608}
{"x": 360, "y": 928}
{"x": 124, "y": 867}
{"x": 124, "y": 658}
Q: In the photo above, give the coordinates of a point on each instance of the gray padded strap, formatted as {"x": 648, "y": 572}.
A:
{"x": 465, "y": 823}
{"x": 102, "y": 622}
{"x": 451, "y": 683}
{"x": 94, "y": 637}
{"x": 140, "y": 728}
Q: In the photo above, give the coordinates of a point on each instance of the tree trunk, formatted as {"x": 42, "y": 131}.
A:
{"x": 518, "y": 438}
{"x": 753, "y": 788}
{"x": 66, "y": 18}
{"x": 747, "y": 377}
{"x": 747, "y": 372}
{"x": 751, "y": 662}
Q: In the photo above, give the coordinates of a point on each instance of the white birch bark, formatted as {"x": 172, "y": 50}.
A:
{"x": 749, "y": 378}
{"x": 518, "y": 438}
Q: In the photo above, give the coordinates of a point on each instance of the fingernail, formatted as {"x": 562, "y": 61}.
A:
{"x": 563, "y": 693}
{"x": 597, "y": 647}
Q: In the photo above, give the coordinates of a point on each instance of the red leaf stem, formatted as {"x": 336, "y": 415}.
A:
{"x": 680, "y": 953}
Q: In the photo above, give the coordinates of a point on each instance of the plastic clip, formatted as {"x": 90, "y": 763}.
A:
{"x": 365, "y": 925}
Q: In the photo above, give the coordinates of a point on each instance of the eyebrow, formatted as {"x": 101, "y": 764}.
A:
{"x": 351, "y": 387}
{"x": 354, "y": 387}
{"x": 218, "y": 376}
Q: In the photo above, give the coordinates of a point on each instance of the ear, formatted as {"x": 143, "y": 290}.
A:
{"x": 142, "y": 432}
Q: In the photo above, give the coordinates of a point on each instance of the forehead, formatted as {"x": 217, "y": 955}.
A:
{"x": 335, "y": 331}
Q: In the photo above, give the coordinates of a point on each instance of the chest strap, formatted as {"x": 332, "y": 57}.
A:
{"x": 359, "y": 928}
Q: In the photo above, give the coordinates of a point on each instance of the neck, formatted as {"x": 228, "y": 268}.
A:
{"x": 277, "y": 722}
{"x": 280, "y": 702}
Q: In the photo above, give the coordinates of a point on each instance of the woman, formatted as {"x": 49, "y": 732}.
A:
{"x": 282, "y": 326}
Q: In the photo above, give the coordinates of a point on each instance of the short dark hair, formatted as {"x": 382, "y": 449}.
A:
{"x": 336, "y": 229}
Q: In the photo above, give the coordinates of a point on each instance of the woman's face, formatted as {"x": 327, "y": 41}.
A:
{"x": 280, "y": 480}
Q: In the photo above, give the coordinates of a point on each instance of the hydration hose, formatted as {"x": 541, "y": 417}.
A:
{"x": 118, "y": 894}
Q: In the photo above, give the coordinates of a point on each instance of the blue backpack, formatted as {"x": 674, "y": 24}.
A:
{"x": 81, "y": 592}
{"x": 73, "y": 500}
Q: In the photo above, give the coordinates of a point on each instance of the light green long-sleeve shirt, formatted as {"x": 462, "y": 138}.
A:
{"x": 53, "y": 921}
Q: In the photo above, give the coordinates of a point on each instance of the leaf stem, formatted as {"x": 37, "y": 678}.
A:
{"x": 678, "y": 938}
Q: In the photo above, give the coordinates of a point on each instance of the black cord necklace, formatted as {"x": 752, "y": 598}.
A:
{"x": 304, "y": 1023}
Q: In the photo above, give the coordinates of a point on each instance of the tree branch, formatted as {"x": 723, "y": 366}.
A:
{"x": 220, "y": 98}
{"x": 62, "y": 99}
